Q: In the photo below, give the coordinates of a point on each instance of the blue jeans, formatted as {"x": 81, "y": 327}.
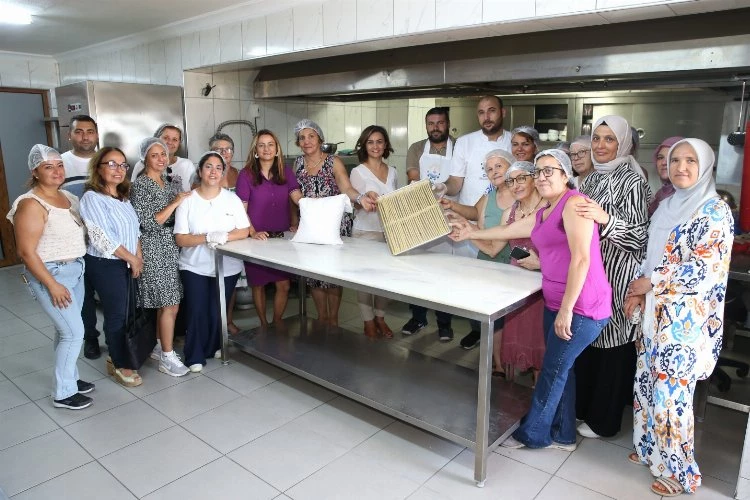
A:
{"x": 110, "y": 278}
{"x": 552, "y": 416}
{"x": 67, "y": 321}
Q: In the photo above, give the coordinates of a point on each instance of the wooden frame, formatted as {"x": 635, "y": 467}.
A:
{"x": 7, "y": 237}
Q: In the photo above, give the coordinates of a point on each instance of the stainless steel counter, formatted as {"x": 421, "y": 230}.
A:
{"x": 423, "y": 391}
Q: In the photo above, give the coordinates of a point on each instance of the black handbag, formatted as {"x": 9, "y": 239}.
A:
{"x": 140, "y": 328}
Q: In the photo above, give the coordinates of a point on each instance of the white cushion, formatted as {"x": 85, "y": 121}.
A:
{"x": 320, "y": 219}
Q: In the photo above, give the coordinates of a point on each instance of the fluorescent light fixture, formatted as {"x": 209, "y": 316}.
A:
{"x": 14, "y": 14}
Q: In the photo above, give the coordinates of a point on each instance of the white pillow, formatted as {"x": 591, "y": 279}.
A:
{"x": 320, "y": 219}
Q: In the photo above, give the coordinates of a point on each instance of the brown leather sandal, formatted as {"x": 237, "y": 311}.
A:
{"x": 383, "y": 328}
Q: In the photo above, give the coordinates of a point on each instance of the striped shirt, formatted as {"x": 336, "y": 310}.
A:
{"x": 110, "y": 223}
{"x": 624, "y": 195}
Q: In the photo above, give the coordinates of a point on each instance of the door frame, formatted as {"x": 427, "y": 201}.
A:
{"x": 10, "y": 257}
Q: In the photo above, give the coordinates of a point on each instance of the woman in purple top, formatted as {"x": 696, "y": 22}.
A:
{"x": 265, "y": 187}
{"x": 577, "y": 298}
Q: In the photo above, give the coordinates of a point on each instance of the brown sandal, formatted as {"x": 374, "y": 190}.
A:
{"x": 383, "y": 328}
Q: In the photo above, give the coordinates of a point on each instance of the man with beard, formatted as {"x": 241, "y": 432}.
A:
{"x": 84, "y": 138}
{"x": 468, "y": 178}
{"x": 431, "y": 159}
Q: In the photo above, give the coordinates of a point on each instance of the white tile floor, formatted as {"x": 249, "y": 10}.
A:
{"x": 250, "y": 430}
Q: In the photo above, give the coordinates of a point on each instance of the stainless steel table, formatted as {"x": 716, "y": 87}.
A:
{"x": 426, "y": 392}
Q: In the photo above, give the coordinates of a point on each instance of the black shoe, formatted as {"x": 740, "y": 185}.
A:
{"x": 471, "y": 340}
{"x": 445, "y": 334}
{"x": 85, "y": 387}
{"x": 91, "y": 349}
{"x": 412, "y": 326}
{"x": 74, "y": 402}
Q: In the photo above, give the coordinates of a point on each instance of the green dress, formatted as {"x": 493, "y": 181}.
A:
{"x": 493, "y": 216}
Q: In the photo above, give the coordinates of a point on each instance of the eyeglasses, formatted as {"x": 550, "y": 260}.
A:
{"x": 547, "y": 171}
{"x": 221, "y": 151}
{"x": 579, "y": 154}
{"x": 520, "y": 179}
{"x": 113, "y": 165}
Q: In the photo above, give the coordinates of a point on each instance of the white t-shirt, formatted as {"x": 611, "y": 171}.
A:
{"x": 182, "y": 167}
{"x": 468, "y": 162}
{"x": 76, "y": 172}
{"x": 363, "y": 180}
{"x": 198, "y": 216}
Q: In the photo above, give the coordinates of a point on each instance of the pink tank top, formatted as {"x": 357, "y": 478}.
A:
{"x": 548, "y": 236}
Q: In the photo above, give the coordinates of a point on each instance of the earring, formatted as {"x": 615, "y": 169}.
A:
{"x": 277, "y": 154}
{"x": 255, "y": 155}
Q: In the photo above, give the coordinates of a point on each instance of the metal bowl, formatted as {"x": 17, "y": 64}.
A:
{"x": 330, "y": 147}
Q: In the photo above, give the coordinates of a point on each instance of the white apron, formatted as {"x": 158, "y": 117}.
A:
{"x": 437, "y": 168}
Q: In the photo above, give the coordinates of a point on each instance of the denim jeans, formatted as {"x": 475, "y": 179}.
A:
{"x": 420, "y": 314}
{"x": 109, "y": 278}
{"x": 67, "y": 321}
{"x": 552, "y": 415}
{"x": 89, "y": 312}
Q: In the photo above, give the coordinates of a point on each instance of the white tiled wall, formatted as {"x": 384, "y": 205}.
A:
{"x": 27, "y": 71}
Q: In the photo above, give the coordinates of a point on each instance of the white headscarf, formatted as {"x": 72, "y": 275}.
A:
{"x": 678, "y": 208}
{"x": 624, "y": 134}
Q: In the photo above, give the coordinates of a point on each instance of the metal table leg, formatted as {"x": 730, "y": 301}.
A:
{"x": 301, "y": 292}
{"x": 483, "y": 402}
{"x": 222, "y": 307}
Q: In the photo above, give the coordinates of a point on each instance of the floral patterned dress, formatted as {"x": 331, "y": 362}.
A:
{"x": 689, "y": 289}
{"x": 321, "y": 185}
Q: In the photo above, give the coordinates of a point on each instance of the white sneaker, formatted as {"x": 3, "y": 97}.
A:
{"x": 512, "y": 443}
{"x": 156, "y": 353}
{"x": 585, "y": 431}
{"x": 217, "y": 354}
{"x": 564, "y": 447}
{"x": 197, "y": 367}
{"x": 170, "y": 364}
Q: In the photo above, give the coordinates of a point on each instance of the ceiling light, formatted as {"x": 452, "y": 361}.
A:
{"x": 14, "y": 14}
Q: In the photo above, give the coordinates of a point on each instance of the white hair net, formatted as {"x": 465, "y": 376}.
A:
{"x": 530, "y": 131}
{"x": 147, "y": 144}
{"x": 562, "y": 158}
{"x": 502, "y": 154}
{"x": 583, "y": 140}
{"x": 40, "y": 153}
{"x": 525, "y": 166}
{"x": 307, "y": 123}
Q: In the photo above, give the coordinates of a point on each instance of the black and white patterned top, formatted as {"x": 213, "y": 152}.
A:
{"x": 624, "y": 195}
{"x": 159, "y": 284}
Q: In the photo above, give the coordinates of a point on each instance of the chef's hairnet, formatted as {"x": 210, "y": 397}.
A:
{"x": 147, "y": 144}
{"x": 165, "y": 126}
{"x": 562, "y": 158}
{"x": 307, "y": 123}
{"x": 530, "y": 131}
{"x": 525, "y": 166}
{"x": 40, "y": 153}
{"x": 502, "y": 154}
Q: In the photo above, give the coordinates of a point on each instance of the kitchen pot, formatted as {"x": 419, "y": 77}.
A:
{"x": 330, "y": 147}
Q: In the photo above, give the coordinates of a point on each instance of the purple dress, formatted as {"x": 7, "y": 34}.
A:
{"x": 268, "y": 210}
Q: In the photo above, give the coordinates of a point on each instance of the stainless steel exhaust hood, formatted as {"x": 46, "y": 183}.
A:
{"x": 667, "y": 55}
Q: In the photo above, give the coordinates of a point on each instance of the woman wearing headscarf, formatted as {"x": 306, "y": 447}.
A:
{"x": 51, "y": 242}
{"x": 524, "y": 143}
{"x": 617, "y": 199}
{"x": 681, "y": 292}
{"x": 319, "y": 175}
{"x": 662, "y": 170}
{"x": 155, "y": 197}
{"x": 577, "y": 298}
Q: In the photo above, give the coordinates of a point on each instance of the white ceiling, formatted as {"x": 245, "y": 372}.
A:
{"x": 64, "y": 25}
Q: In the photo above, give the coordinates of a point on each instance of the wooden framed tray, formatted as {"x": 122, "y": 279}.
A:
{"x": 411, "y": 217}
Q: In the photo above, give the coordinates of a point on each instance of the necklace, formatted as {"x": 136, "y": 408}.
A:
{"x": 312, "y": 167}
{"x": 524, "y": 213}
